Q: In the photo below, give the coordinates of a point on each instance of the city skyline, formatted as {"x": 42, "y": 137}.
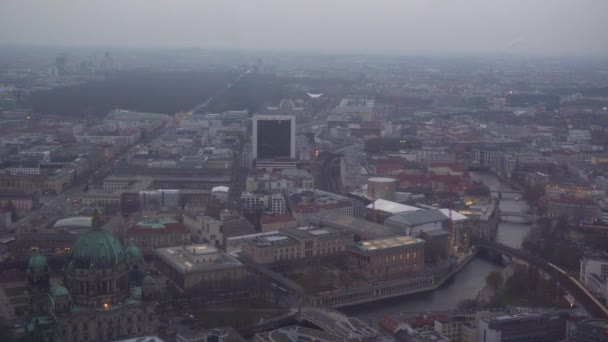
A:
{"x": 385, "y": 27}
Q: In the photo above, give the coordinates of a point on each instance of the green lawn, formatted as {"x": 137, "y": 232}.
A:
{"x": 14, "y": 291}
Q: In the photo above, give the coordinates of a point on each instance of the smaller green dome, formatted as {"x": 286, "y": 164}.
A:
{"x": 60, "y": 291}
{"x": 148, "y": 280}
{"x": 136, "y": 293}
{"x": 132, "y": 253}
{"x": 38, "y": 263}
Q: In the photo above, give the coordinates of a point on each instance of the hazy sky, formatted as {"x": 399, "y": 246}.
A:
{"x": 577, "y": 27}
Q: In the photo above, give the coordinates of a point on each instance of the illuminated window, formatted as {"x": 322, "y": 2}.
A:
{"x": 394, "y": 258}
{"x": 407, "y": 256}
{"x": 400, "y": 256}
{"x": 414, "y": 255}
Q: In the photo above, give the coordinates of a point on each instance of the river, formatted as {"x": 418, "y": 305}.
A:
{"x": 469, "y": 281}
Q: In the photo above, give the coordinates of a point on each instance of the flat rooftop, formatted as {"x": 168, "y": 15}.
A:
{"x": 313, "y": 232}
{"x": 383, "y": 244}
{"x": 196, "y": 258}
{"x": 274, "y": 239}
{"x": 366, "y": 229}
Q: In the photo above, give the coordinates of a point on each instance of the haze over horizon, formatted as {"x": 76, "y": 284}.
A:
{"x": 518, "y": 27}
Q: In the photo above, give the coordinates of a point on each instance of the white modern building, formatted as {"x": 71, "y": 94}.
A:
{"x": 204, "y": 228}
{"x": 594, "y": 275}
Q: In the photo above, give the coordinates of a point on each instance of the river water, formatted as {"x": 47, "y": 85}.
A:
{"x": 465, "y": 284}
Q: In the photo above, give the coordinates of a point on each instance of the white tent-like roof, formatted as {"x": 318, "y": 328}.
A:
{"x": 391, "y": 207}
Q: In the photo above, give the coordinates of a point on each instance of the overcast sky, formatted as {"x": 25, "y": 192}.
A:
{"x": 556, "y": 27}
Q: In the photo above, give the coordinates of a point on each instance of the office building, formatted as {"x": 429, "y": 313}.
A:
{"x": 259, "y": 201}
{"x": 576, "y": 209}
{"x": 215, "y": 231}
{"x": 21, "y": 200}
{"x": 150, "y": 235}
{"x": 274, "y": 136}
{"x": 540, "y": 327}
{"x": 590, "y": 330}
{"x": 290, "y": 244}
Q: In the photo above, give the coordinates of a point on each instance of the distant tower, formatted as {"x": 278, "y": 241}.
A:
{"x": 286, "y": 106}
{"x": 96, "y": 219}
{"x": 148, "y": 288}
{"x": 134, "y": 259}
{"x": 107, "y": 63}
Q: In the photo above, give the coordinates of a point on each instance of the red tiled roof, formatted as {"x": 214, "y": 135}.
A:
{"x": 390, "y": 323}
{"x": 445, "y": 179}
{"x": 390, "y": 160}
{"x": 413, "y": 179}
{"x": 574, "y": 201}
{"x": 387, "y": 169}
{"x": 266, "y": 219}
{"x": 451, "y": 166}
{"x": 305, "y": 208}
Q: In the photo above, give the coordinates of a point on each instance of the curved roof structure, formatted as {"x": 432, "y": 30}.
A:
{"x": 286, "y": 104}
{"x": 74, "y": 222}
{"x": 97, "y": 248}
{"x": 391, "y": 207}
{"x": 315, "y": 96}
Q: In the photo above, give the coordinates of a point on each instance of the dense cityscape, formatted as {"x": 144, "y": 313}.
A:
{"x": 193, "y": 194}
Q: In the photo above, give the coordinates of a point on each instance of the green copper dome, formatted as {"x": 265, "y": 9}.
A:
{"x": 38, "y": 263}
{"x": 97, "y": 248}
{"x": 133, "y": 253}
{"x": 60, "y": 291}
{"x": 136, "y": 293}
{"x": 148, "y": 280}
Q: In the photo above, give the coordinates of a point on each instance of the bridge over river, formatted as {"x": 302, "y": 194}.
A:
{"x": 566, "y": 282}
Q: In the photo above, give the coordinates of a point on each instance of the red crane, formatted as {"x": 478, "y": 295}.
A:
{"x": 451, "y": 227}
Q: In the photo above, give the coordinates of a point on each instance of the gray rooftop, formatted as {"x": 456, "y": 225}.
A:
{"x": 363, "y": 228}
{"x": 416, "y": 218}
{"x": 196, "y": 258}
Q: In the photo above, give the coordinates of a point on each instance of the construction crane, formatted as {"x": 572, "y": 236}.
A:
{"x": 451, "y": 227}
{"x": 372, "y": 215}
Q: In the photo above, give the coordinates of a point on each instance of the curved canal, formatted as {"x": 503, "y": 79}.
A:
{"x": 469, "y": 281}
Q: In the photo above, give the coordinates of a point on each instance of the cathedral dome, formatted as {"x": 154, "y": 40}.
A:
{"x": 97, "y": 248}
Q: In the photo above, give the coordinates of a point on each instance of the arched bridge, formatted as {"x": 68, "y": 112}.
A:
{"x": 568, "y": 283}
{"x": 337, "y": 323}
{"x": 516, "y": 214}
